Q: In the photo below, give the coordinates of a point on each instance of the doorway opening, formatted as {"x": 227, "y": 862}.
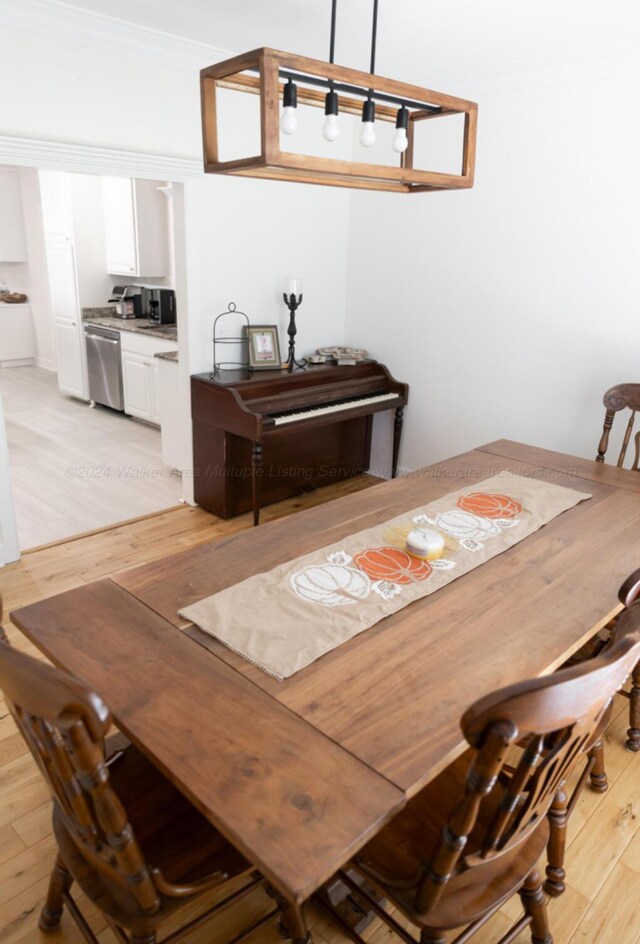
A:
{"x": 90, "y": 348}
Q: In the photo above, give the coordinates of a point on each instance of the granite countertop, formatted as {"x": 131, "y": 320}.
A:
{"x": 168, "y": 356}
{"x": 104, "y": 318}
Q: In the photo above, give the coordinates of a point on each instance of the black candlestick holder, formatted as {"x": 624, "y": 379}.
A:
{"x": 293, "y": 302}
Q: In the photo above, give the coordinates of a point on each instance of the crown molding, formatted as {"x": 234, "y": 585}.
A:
{"x": 78, "y": 158}
{"x": 64, "y": 21}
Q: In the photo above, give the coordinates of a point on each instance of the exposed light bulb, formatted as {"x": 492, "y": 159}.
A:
{"x": 289, "y": 117}
{"x": 400, "y": 142}
{"x": 331, "y": 128}
{"x": 288, "y": 120}
{"x": 368, "y": 132}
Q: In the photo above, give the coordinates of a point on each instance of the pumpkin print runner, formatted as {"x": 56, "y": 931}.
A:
{"x": 285, "y": 619}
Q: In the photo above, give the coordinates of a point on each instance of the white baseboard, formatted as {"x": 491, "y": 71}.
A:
{"x": 17, "y": 362}
{"x": 46, "y": 363}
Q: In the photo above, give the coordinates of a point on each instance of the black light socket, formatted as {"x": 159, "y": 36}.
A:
{"x": 369, "y": 110}
{"x": 402, "y": 118}
{"x": 331, "y": 103}
{"x": 290, "y": 97}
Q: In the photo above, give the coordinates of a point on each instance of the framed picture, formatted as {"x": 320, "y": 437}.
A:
{"x": 264, "y": 350}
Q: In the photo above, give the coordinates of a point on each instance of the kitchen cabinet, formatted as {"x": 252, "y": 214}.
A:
{"x": 12, "y": 240}
{"x": 17, "y": 336}
{"x": 71, "y": 359}
{"x": 140, "y": 387}
{"x": 136, "y": 224}
{"x": 141, "y": 375}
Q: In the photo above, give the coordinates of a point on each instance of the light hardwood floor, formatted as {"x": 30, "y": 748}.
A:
{"x": 74, "y": 468}
{"x": 600, "y": 906}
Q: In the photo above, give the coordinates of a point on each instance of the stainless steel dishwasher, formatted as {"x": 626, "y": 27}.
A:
{"x": 104, "y": 366}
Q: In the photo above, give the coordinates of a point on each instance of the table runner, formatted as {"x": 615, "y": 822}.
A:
{"x": 286, "y": 618}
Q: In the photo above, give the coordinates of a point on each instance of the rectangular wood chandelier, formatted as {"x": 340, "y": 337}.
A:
{"x": 285, "y": 77}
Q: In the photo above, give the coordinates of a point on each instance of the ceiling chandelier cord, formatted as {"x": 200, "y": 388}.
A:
{"x": 332, "y": 41}
{"x": 331, "y": 128}
{"x": 368, "y": 134}
{"x": 374, "y": 38}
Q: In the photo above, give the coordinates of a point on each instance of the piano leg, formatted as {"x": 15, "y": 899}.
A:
{"x": 256, "y": 480}
{"x": 397, "y": 433}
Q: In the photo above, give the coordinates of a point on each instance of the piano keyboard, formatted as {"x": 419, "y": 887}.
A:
{"x": 311, "y": 412}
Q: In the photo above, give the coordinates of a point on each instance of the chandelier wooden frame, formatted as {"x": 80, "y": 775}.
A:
{"x": 264, "y": 72}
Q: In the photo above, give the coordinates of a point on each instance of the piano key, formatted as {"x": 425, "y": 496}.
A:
{"x": 295, "y": 416}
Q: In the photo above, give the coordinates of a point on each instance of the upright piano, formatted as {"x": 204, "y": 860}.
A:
{"x": 263, "y": 436}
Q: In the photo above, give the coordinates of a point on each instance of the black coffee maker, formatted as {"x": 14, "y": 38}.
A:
{"x": 159, "y": 304}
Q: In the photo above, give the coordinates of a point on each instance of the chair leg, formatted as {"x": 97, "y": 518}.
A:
{"x": 144, "y": 938}
{"x": 59, "y": 884}
{"x": 558, "y": 817}
{"x": 535, "y": 906}
{"x": 432, "y": 937}
{"x": 292, "y": 923}
{"x": 633, "y": 734}
{"x": 598, "y": 775}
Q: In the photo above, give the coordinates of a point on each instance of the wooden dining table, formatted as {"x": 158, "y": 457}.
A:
{"x": 300, "y": 774}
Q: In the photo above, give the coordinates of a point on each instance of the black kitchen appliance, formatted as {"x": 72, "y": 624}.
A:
{"x": 159, "y": 304}
{"x": 128, "y": 300}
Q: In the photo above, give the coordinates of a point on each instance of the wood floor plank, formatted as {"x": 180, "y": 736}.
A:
{"x": 10, "y": 843}
{"x": 615, "y": 915}
{"x": 12, "y": 747}
{"x": 35, "y": 825}
{"x": 74, "y": 468}
{"x": 23, "y": 870}
{"x": 19, "y": 919}
{"x": 593, "y": 855}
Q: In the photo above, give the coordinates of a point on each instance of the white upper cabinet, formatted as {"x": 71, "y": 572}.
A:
{"x": 136, "y": 228}
{"x": 12, "y": 242}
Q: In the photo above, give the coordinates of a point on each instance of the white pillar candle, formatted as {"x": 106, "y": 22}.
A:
{"x": 425, "y": 544}
{"x": 293, "y": 287}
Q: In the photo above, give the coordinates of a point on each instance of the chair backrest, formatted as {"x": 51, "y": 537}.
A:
{"x": 64, "y": 725}
{"x": 621, "y": 397}
{"x": 554, "y": 721}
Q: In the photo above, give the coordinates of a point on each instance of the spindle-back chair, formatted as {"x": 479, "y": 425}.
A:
{"x": 448, "y": 864}
{"x": 625, "y": 397}
{"x": 134, "y": 844}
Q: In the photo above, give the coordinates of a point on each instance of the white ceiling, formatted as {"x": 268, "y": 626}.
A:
{"x": 416, "y": 38}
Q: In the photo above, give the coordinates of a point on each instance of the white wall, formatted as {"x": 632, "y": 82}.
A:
{"x": 252, "y": 235}
{"x": 511, "y": 308}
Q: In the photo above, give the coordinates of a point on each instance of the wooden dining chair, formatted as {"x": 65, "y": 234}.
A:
{"x": 133, "y": 843}
{"x": 473, "y": 837}
{"x": 625, "y": 397}
{"x": 621, "y": 397}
